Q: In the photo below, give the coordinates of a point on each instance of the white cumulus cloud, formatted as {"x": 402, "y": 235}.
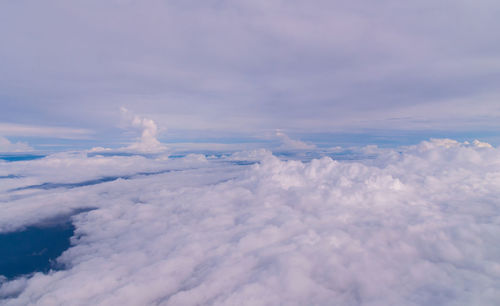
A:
{"x": 148, "y": 141}
{"x": 7, "y": 146}
{"x": 291, "y": 144}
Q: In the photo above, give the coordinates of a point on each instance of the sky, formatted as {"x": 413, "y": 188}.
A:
{"x": 247, "y": 71}
{"x": 252, "y": 152}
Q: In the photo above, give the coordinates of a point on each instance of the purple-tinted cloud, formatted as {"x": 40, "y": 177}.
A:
{"x": 245, "y": 66}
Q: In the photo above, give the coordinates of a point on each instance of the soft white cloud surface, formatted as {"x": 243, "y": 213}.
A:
{"x": 415, "y": 226}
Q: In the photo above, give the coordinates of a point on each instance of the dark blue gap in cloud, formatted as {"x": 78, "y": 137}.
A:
{"x": 35, "y": 248}
{"x": 307, "y": 156}
{"x": 10, "y": 176}
{"x": 47, "y": 186}
{"x": 111, "y": 154}
{"x": 14, "y": 158}
{"x": 243, "y": 162}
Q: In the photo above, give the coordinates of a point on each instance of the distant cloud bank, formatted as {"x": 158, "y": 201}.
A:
{"x": 7, "y": 146}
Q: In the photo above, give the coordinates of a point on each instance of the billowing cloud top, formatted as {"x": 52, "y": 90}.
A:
{"x": 416, "y": 225}
{"x": 7, "y": 146}
{"x": 148, "y": 142}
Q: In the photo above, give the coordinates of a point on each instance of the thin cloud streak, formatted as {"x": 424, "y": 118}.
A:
{"x": 12, "y": 129}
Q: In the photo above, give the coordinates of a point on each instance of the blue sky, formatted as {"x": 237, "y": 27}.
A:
{"x": 238, "y": 71}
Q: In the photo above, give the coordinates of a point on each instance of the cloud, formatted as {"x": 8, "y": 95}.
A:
{"x": 7, "y": 146}
{"x": 414, "y": 225}
{"x": 290, "y": 144}
{"x": 148, "y": 142}
{"x": 481, "y": 144}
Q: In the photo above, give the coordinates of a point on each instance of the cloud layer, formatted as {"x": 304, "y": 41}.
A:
{"x": 416, "y": 225}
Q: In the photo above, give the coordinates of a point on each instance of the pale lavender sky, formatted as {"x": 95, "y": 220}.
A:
{"x": 246, "y": 68}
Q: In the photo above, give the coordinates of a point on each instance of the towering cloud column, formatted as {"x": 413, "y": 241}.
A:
{"x": 148, "y": 142}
